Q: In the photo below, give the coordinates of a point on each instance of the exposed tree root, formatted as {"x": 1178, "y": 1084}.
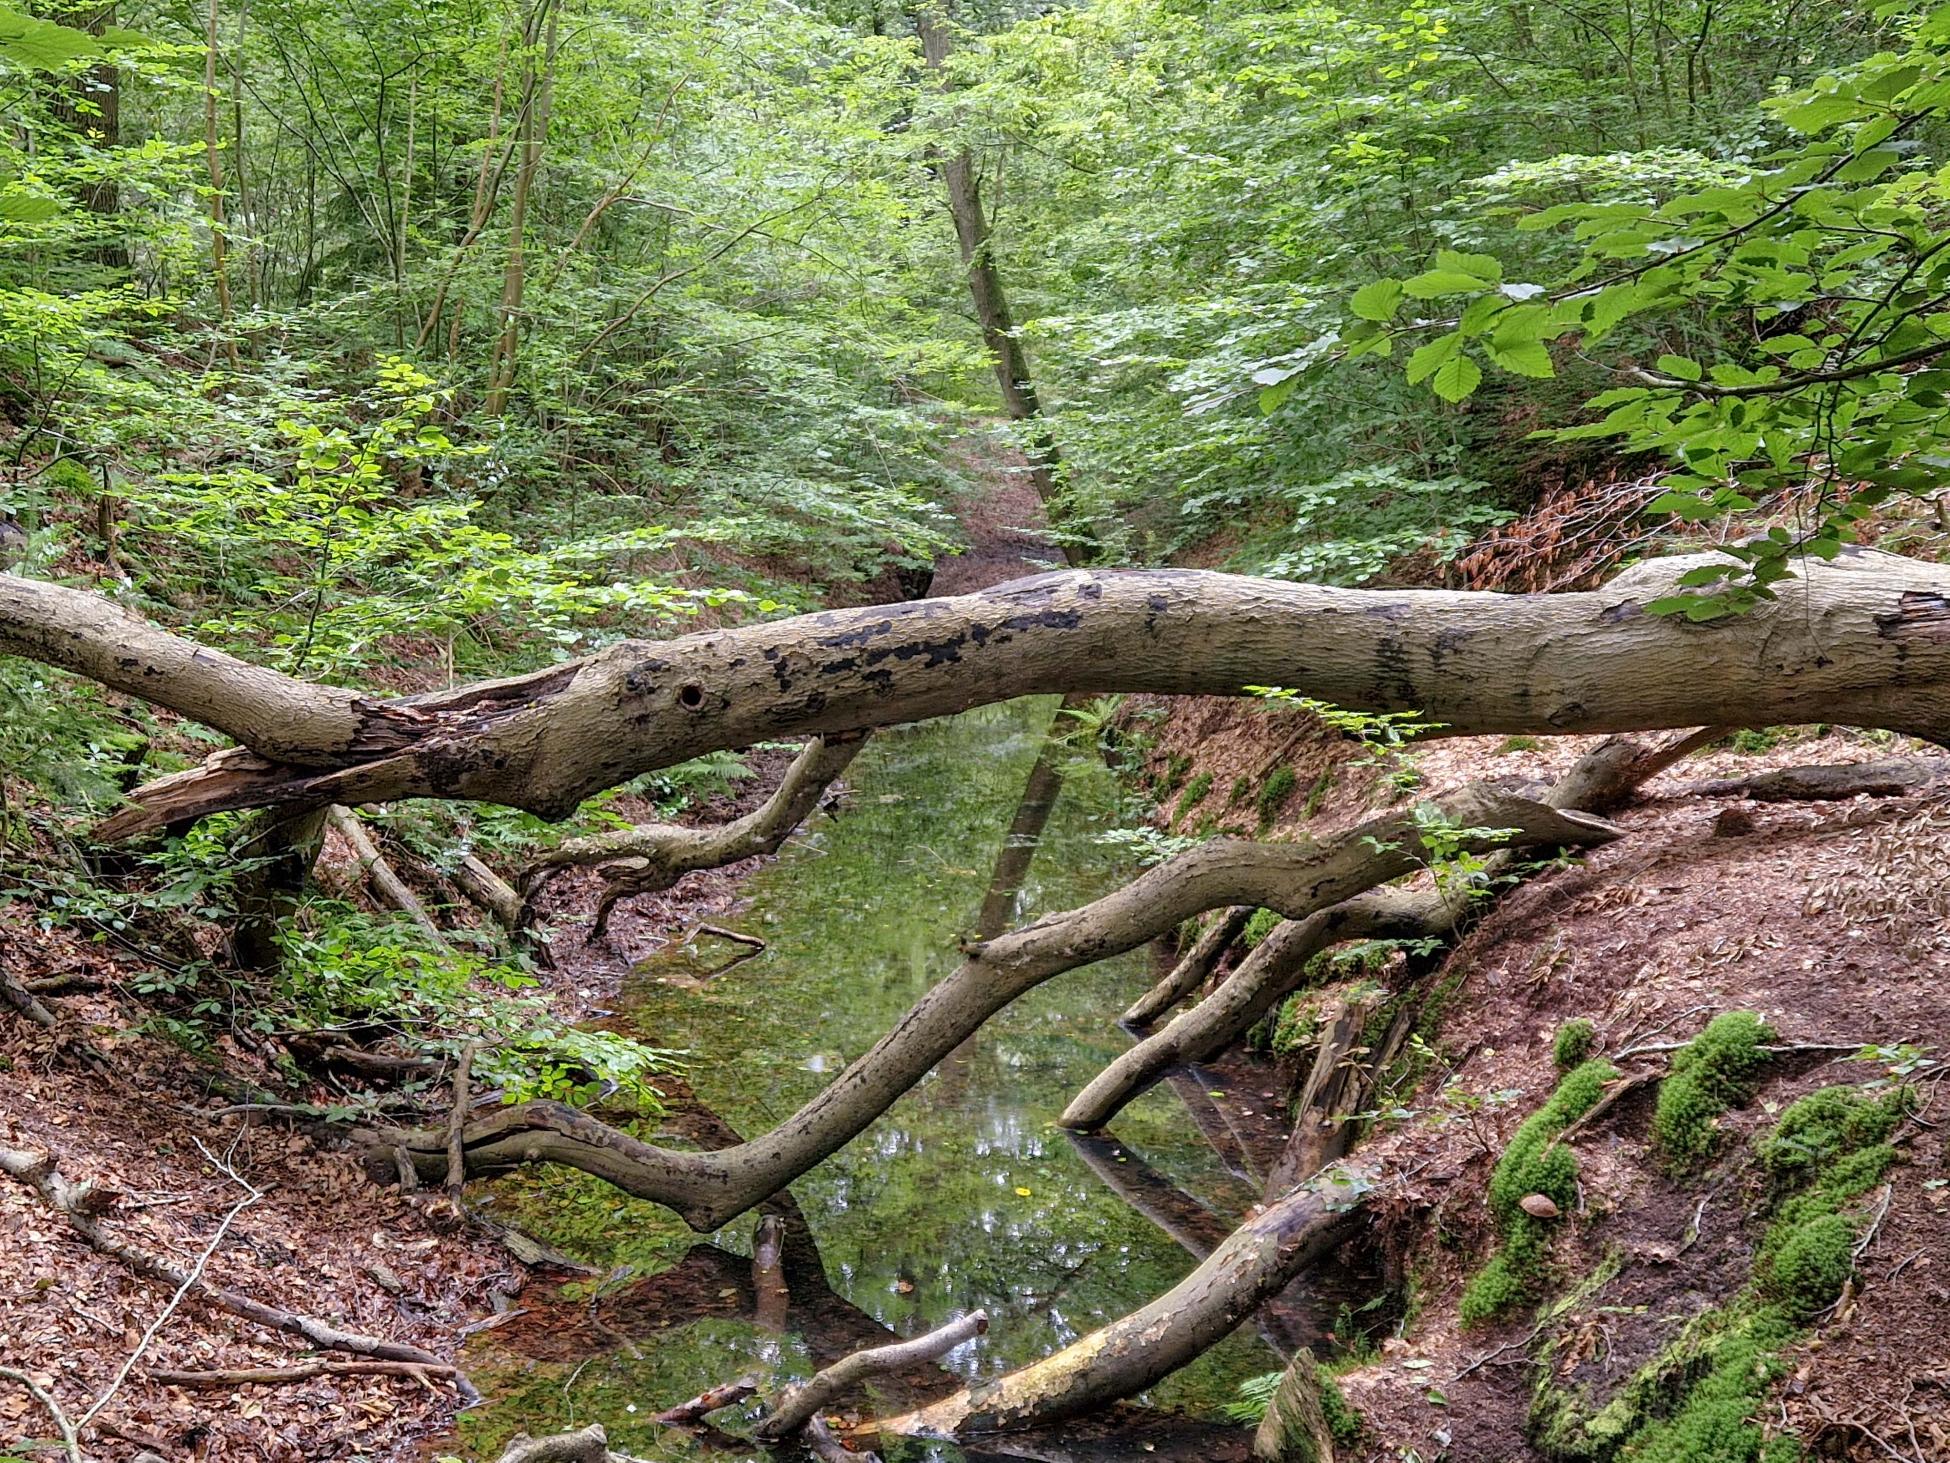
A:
{"x": 1856, "y": 641}
{"x": 653, "y": 856}
{"x": 1194, "y": 967}
{"x": 79, "y": 1204}
{"x": 1259, "y": 1260}
{"x": 710, "y": 1188}
{"x": 801, "y": 1404}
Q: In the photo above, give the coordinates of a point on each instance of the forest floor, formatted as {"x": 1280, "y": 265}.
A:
{"x": 1831, "y": 920}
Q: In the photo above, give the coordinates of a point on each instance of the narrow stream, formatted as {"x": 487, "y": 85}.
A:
{"x": 963, "y": 1195}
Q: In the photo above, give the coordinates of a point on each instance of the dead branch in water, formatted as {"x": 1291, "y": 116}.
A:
{"x": 709, "y": 1188}
{"x": 1258, "y": 1260}
{"x": 800, "y": 1404}
{"x": 1193, "y": 967}
{"x": 726, "y": 1394}
{"x": 652, "y": 857}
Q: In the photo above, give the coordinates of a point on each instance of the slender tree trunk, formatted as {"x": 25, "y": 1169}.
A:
{"x": 538, "y": 91}
{"x": 961, "y": 181}
{"x": 219, "y": 262}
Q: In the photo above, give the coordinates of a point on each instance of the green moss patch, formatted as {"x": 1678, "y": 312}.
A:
{"x": 1573, "y": 1043}
{"x": 1533, "y": 1164}
{"x": 1194, "y": 794}
{"x": 1711, "y": 1073}
{"x": 1701, "y": 1400}
{"x": 1274, "y": 792}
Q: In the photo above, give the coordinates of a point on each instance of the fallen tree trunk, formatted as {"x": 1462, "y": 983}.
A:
{"x": 652, "y": 857}
{"x": 1892, "y": 777}
{"x": 1257, "y": 1261}
{"x": 1860, "y": 640}
{"x": 489, "y": 890}
{"x": 708, "y": 1189}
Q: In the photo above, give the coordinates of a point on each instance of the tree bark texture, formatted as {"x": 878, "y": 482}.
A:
{"x": 1863, "y": 641}
{"x": 707, "y": 1189}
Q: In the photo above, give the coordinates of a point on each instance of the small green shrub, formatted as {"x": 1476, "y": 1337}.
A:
{"x": 1277, "y": 788}
{"x": 1573, "y": 1043}
{"x": 1242, "y": 788}
{"x": 1518, "y": 744}
{"x": 1710, "y": 1074}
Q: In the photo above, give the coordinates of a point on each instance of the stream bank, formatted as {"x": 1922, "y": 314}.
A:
{"x": 964, "y": 1195}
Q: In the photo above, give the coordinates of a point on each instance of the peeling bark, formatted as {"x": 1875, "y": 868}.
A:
{"x": 1257, "y": 1261}
{"x": 708, "y": 1189}
{"x": 1861, "y": 641}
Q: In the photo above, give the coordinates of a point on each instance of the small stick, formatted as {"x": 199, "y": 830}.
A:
{"x": 800, "y": 1404}
{"x": 709, "y": 1401}
{"x": 821, "y": 1443}
{"x": 457, "y": 1120}
{"x": 70, "y": 1445}
{"x": 304, "y": 1371}
{"x": 737, "y": 937}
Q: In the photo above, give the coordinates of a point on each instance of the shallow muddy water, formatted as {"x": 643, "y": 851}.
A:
{"x": 963, "y": 1195}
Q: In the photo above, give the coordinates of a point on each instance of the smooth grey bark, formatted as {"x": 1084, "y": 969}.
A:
{"x": 1861, "y": 641}
{"x": 653, "y": 856}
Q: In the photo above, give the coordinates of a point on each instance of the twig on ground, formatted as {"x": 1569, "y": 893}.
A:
{"x": 190, "y": 1279}
{"x": 304, "y": 1371}
{"x": 457, "y": 1120}
{"x": 70, "y": 1445}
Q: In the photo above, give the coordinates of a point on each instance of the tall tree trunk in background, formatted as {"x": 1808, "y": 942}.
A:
{"x": 963, "y": 186}
{"x": 538, "y": 90}
{"x": 92, "y": 103}
{"x": 219, "y": 262}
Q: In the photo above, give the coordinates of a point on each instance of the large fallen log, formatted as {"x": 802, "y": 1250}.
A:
{"x": 1258, "y": 1260}
{"x": 1860, "y": 640}
{"x": 708, "y": 1189}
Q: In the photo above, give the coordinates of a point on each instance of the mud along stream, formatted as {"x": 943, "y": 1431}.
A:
{"x": 964, "y": 1195}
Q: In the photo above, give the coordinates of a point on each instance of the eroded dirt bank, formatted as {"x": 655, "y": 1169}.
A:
{"x": 1830, "y": 921}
